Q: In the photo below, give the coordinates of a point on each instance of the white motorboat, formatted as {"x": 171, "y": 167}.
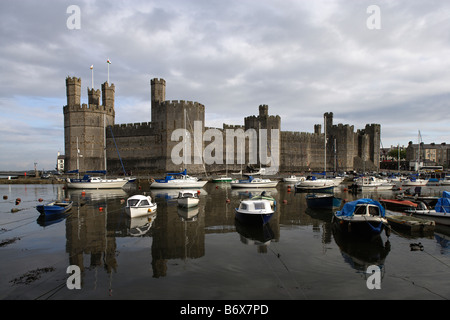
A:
{"x": 254, "y": 183}
{"x": 88, "y": 182}
{"x": 140, "y": 205}
{"x": 254, "y": 211}
{"x": 188, "y": 198}
{"x": 179, "y": 181}
{"x": 373, "y": 183}
{"x": 365, "y": 217}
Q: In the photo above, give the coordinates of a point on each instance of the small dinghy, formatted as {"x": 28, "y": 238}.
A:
{"x": 54, "y": 208}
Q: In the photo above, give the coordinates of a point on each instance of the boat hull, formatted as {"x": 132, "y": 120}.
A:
{"x": 188, "y": 202}
{"x": 364, "y": 227}
{"x": 272, "y": 184}
{"x": 133, "y": 212}
{"x": 301, "y": 188}
{"x": 398, "y": 205}
{"x": 253, "y": 218}
{"x": 438, "y": 217}
{"x": 107, "y": 184}
{"x": 224, "y": 179}
{"x": 322, "y": 201}
{"x": 178, "y": 185}
{"x": 54, "y": 208}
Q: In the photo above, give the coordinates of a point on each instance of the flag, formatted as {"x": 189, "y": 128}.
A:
{"x": 108, "y": 61}
{"x": 92, "y": 67}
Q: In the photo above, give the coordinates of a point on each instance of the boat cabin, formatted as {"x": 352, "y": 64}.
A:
{"x": 138, "y": 201}
{"x": 257, "y": 206}
{"x": 364, "y": 209}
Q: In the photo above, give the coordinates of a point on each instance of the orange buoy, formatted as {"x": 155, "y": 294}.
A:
{"x": 100, "y": 209}
{"x": 40, "y": 199}
{"x": 285, "y": 201}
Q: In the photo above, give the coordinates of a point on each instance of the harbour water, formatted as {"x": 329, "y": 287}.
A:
{"x": 203, "y": 253}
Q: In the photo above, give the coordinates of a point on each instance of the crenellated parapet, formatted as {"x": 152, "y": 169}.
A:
{"x": 133, "y": 129}
{"x": 177, "y": 104}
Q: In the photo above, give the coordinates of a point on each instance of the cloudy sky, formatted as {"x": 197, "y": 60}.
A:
{"x": 302, "y": 58}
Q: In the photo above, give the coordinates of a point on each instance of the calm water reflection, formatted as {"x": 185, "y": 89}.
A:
{"x": 203, "y": 253}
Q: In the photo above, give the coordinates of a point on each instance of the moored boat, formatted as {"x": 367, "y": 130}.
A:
{"x": 254, "y": 211}
{"x": 222, "y": 179}
{"x": 323, "y": 201}
{"x": 54, "y": 208}
{"x": 312, "y": 184}
{"x": 252, "y": 182}
{"x": 373, "y": 183}
{"x": 410, "y": 223}
{"x": 293, "y": 178}
{"x": 188, "y": 198}
{"x": 398, "y": 204}
{"x": 140, "y": 205}
{"x": 89, "y": 182}
{"x": 178, "y": 180}
{"x": 365, "y": 217}
{"x": 440, "y": 213}
{"x": 414, "y": 181}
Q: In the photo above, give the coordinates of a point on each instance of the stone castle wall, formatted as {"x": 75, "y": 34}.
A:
{"x": 147, "y": 147}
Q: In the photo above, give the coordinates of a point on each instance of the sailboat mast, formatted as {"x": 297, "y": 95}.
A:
{"x": 325, "y": 144}
{"x": 104, "y": 141}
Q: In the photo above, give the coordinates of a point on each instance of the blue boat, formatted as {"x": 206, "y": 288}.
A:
{"x": 364, "y": 217}
{"x": 322, "y": 201}
{"x": 54, "y": 208}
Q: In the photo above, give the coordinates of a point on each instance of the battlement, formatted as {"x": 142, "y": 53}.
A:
{"x": 73, "y": 80}
{"x": 133, "y": 129}
{"x": 88, "y": 108}
{"x": 301, "y": 136}
{"x": 178, "y": 103}
{"x": 158, "y": 81}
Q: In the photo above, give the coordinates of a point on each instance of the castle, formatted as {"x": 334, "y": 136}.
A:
{"x": 147, "y": 147}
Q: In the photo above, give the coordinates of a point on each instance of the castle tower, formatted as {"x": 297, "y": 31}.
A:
{"x": 73, "y": 91}
{"x": 108, "y": 95}
{"x": 168, "y": 116}
{"x": 374, "y": 136}
{"x": 158, "y": 95}
{"x": 266, "y": 144}
{"x": 84, "y": 126}
{"x": 93, "y": 97}
{"x": 328, "y": 118}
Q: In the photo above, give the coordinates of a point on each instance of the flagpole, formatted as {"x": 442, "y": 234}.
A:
{"x": 92, "y": 72}
{"x": 108, "y": 62}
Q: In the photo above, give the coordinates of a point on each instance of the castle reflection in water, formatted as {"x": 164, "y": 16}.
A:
{"x": 98, "y": 219}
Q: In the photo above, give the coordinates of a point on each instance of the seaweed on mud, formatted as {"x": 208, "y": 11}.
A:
{"x": 32, "y": 275}
{"x": 8, "y": 241}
